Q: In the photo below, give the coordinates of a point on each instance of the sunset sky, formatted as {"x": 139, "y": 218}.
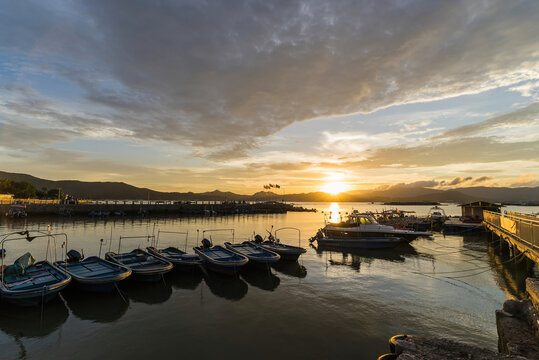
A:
{"x": 231, "y": 95}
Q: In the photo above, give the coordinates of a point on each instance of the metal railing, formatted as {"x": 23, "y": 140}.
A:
{"x": 524, "y": 227}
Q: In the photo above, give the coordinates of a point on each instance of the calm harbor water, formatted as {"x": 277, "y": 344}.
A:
{"x": 329, "y": 305}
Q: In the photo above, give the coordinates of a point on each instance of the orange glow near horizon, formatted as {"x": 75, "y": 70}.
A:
{"x": 334, "y": 188}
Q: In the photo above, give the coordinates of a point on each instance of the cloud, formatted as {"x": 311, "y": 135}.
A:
{"x": 456, "y": 151}
{"x": 458, "y": 180}
{"x": 480, "y": 180}
{"x": 528, "y": 115}
{"x": 216, "y": 76}
{"x": 415, "y": 184}
{"x": 528, "y": 89}
{"x": 530, "y": 180}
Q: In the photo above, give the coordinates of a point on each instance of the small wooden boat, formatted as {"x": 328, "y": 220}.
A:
{"x": 257, "y": 255}
{"x": 144, "y": 266}
{"x": 93, "y": 273}
{"x": 180, "y": 259}
{"x": 30, "y": 283}
{"x": 220, "y": 259}
{"x": 286, "y": 252}
{"x": 40, "y": 283}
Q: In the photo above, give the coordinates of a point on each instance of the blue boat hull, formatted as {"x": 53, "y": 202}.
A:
{"x": 221, "y": 260}
{"x": 19, "y": 293}
{"x": 33, "y": 299}
{"x": 152, "y": 273}
{"x": 222, "y": 269}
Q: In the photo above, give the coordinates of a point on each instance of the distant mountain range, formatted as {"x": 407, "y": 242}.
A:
{"x": 397, "y": 193}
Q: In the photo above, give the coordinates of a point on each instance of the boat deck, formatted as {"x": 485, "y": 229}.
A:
{"x": 93, "y": 269}
{"x": 139, "y": 261}
{"x": 219, "y": 253}
{"x": 35, "y": 277}
{"x": 251, "y": 251}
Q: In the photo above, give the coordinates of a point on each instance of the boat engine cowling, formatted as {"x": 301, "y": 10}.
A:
{"x": 73, "y": 256}
{"x": 206, "y": 243}
{"x": 258, "y": 239}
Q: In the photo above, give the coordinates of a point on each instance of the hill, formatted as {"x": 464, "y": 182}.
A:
{"x": 401, "y": 193}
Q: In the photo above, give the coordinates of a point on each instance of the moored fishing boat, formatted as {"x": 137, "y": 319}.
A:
{"x": 220, "y": 259}
{"x": 257, "y": 255}
{"x": 30, "y": 283}
{"x": 180, "y": 259}
{"x": 286, "y": 252}
{"x": 144, "y": 266}
{"x": 93, "y": 274}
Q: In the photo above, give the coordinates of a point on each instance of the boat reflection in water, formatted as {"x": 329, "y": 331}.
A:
{"x": 99, "y": 308}
{"x": 28, "y": 323}
{"x": 185, "y": 280}
{"x": 354, "y": 257}
{"x": 228, "y": 287}
{"x": 147, "y": 292}
{"x": 291, "y": 268}
{"x": 264, "y": 280}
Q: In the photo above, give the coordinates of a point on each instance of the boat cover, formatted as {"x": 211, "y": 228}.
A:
{"x": 17, "y": 270}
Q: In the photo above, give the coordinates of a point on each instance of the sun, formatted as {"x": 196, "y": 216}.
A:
{"x": 334, "y": 188}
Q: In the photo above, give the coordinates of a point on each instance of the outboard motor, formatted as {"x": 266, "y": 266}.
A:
{"x": 73, "y": 256}
{"x": 206, "y": 244}
{"x": 258, "y": 239}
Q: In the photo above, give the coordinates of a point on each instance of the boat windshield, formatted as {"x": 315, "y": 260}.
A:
{"x": 362, "y": 219}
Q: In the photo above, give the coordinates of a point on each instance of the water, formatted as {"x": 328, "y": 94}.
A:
{"x": 330, "y": 305}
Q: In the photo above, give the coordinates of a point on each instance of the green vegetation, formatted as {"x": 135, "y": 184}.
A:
{"x": 25, "y": 190}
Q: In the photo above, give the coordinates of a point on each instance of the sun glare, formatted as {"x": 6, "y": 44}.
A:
{"x": 334, "y": 188}
{"x": 334, "y": 213}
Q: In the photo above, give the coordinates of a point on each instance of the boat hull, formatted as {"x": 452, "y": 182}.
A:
{"x": 110, "y": 274}
{"x": 287, "y": 253}
{"x": 221, "y": 260}
{"x": 152, "y": 273}
{"x": 258, "y": 256}
{"x": 222, "y": 269}
{"x": 37, "y": 295}
{"x": 182, "y": 264}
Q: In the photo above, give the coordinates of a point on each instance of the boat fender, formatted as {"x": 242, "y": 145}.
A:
{"x": 258, "y": 239}
{"x": 206, "y": 244}
{"x": 73, "y": 256}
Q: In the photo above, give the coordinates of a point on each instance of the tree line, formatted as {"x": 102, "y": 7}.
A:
{"x": 25, "y": 190}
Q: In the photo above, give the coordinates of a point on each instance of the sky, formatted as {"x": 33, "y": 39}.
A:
{"x": 232, "y": 95}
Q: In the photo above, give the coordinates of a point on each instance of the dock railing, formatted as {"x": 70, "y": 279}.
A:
{"x": 522, "y": 227}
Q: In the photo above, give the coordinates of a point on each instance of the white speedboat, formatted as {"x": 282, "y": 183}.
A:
{"x": 363, "y": 231}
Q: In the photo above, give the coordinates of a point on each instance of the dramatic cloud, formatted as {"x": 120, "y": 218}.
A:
{"x": 528, "y": 115}
{"x": 217, "y": 76}
{"x": 457, "y": 151}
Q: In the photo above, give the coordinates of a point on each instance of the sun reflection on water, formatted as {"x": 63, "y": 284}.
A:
{"x": 334, "y": 213}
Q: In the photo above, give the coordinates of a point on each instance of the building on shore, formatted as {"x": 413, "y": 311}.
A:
{"x": 474, "y": 210}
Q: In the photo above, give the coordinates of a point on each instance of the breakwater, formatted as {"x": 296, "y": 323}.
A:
{"x": 139, "y": 208}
